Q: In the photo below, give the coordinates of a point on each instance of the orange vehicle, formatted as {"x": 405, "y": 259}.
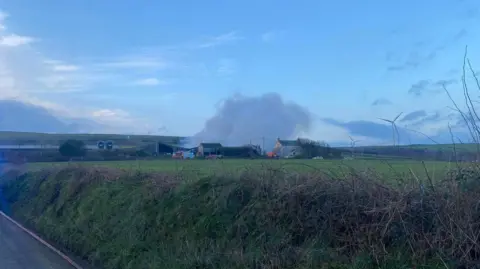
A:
{"x": 272, "y": 155}
{"x": 183, "y": 155}
{"x": 177, "y": 155}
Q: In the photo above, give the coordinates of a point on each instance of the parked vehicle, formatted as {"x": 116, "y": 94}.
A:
{"x": 272, "y": 155}
{"x": 183, "y": 155}
{"x": 188, "y": 155}
{"x": 177, "y": 155}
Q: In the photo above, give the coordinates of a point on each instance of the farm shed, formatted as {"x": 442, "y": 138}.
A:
{"x": 284, "y": 148}
{"x": 163, "y": 148}
{"x": 205, "y": 149}
{"x": 240, "y": 152}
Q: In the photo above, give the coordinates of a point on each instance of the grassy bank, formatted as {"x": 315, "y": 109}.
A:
{"x": 263, "y": 218}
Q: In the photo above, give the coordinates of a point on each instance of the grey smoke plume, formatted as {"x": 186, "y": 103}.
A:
{"x": 240, "y": 120}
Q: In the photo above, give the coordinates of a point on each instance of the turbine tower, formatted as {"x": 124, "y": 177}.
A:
{"x": 394, "y": 127}
{"x": 352, "y": 144}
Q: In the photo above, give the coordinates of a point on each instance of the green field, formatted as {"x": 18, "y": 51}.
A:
{"x": 464, "y": 147}
{"x": 386, "y": 168}
{"x": 15, "y": 138}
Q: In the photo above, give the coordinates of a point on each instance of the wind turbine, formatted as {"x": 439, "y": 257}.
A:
{"x": 394, "y": 127}
{"x": 352, "y": 144}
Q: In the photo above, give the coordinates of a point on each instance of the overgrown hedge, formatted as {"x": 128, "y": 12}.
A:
{"x": 260, "y": 219}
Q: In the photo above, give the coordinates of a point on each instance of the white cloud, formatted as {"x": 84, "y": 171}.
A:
{"x": 270, "y": 36}
{"x": 136, "y": 63}
{"x": 267, "y": 37}
{"x": 220, "y": 40}
{"x": 65, "y": 68}
{"x": 149, "y": 82}
{"x": 55, "y": 83}
{"x": 26, "y": 76}
{"x": 3, "y": 16}
{"x": 118, "y": 119}
{"x": 19, "y": 69}
{"x": 109, "y": 113}
{"x": 226, "y": 67}
{"x": 13, "y": 40}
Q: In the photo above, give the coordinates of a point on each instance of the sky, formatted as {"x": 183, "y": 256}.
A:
{"x": 169, "y": 66}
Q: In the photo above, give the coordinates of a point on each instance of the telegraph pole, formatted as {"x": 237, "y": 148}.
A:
{"x": 263, "y": 145}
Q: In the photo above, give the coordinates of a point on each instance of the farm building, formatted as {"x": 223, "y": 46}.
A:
{"x": 284, "y": 148}
{"x": 205, "y": 149}
{"x": 248, "y": 151}
{"x": 164, "y": 148}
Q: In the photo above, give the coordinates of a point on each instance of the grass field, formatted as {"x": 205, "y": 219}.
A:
{"x": 385, "y": 168}
{"x": 465, "y": 147}
{"x": 15, "y": 138}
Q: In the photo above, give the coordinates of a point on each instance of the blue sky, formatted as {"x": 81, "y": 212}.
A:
{"x": 169, "y": 63}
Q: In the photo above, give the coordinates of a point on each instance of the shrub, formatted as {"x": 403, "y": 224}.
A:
{"x": 257, "y": 219}
{"x": 73, "y": 148}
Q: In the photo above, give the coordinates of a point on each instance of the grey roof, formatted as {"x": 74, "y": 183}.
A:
{"x": 211, "y": 145}
{"x": 288, "y": 142}
{"x": 173, "y": 145}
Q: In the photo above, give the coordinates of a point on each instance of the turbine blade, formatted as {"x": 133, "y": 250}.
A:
{"x": 385, "y": 120}
{"x": 398, "y": 116}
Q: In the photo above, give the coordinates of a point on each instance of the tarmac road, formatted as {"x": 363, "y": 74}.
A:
{"x": 19, "y": 250}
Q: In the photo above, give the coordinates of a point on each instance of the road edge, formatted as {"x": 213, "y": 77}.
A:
{"x": 43, "y": 242}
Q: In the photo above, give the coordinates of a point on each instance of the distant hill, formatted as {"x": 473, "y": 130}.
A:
{"x": 20, "y": 117}
{"x": 467, "y": 147}
{"x": 439, "y": 152}
{"x": 16, "y": 138}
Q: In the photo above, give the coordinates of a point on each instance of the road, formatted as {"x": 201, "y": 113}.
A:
{"x": 19, "y": 250}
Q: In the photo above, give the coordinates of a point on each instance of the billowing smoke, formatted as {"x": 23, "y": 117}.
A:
{"x": 241, "y": 120}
